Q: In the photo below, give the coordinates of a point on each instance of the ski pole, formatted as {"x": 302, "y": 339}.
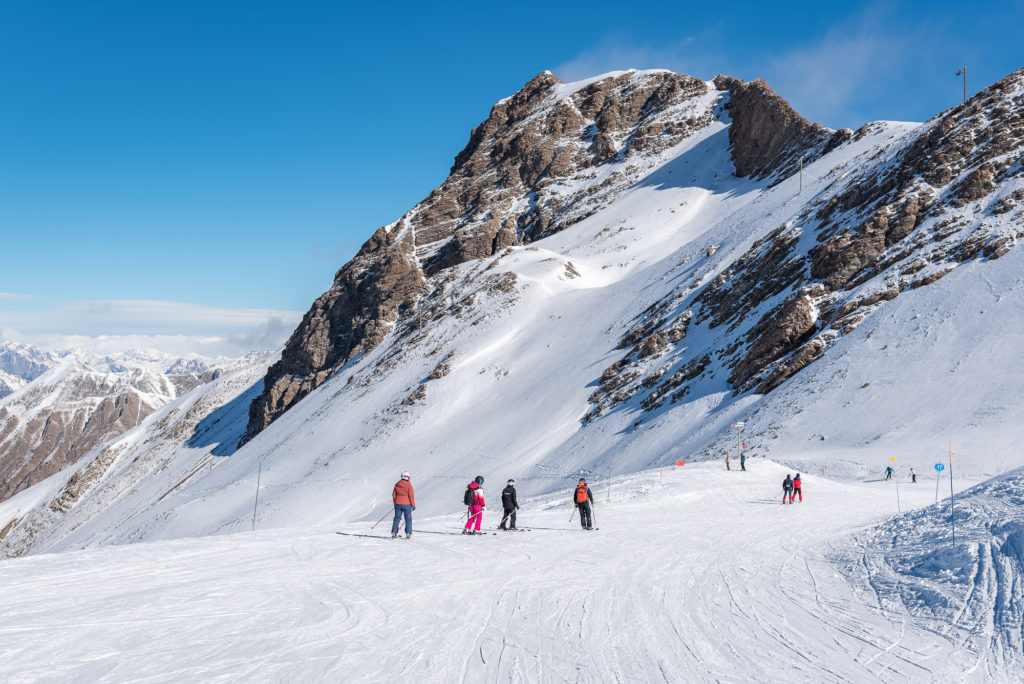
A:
{"x": 573, "y": 513}
{"x": 381, "y": 520}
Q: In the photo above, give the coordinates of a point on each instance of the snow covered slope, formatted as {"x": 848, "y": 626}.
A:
{"x": 863, "y": 317}
{"x": 697, "y": 575}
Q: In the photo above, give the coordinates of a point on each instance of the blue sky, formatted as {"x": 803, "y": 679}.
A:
{"x": 232, "y": 155}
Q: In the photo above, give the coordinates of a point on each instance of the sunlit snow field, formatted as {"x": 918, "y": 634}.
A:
{"x": 696, "y": 574}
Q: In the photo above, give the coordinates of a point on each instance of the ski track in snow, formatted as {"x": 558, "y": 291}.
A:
{"x": 696, "y": 575}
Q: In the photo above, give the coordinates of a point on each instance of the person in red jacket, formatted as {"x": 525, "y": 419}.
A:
{"x": 476, "y": 509}
{"x": 796, "y": 490}
{"x": 405, "y": 504}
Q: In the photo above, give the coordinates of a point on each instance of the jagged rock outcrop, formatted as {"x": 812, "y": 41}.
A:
{"x": 768, "y": 137}
{"x": 503, "y": 189}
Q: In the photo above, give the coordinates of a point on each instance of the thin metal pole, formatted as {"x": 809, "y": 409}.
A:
{"x": 937, "y": 475}
{"x": 801, "y": 175}
{"x": 739, "y": 442}
{"x": 952, "y": 518}
{"x": 965, "y": 102}
{"x": 259, "y": 475}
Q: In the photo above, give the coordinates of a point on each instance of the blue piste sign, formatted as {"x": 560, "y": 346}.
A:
{"x": 939, "y": 466}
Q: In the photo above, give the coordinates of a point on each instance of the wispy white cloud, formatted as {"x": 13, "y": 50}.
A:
{"x": 687, "y": 55}
{"x": 173, "y": 327}
{"x": 15, "y": 297}
{"x": 830, "y": 78}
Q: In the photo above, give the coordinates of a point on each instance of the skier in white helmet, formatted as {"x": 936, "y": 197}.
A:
{"x": 405, "y": 504}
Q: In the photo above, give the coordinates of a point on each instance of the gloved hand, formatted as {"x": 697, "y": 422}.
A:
{"x": 414, "y": 508}
{"x": 575, "y": 505}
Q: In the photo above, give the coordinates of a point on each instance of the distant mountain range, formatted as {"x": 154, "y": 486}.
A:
{"x": 58, "y": 406}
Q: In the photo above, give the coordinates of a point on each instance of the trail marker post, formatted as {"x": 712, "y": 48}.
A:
{"x": 938, "y": 473}
{"x": 739, "y": 441}
{"x": 963, "y": 72}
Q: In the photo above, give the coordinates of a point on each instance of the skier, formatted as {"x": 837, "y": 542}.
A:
{"x": 583, "y": 499}
{"x": 405, "y": 504}
{"x": 743, "y": 461}
{"x": 796, "y": 489}
{"x": 888, "y": 472}
{"x": 475, "y": 497}
{"x": 913, "y": 476}
{"x": 787, "y": 489}
{"x": 510, "y": 505}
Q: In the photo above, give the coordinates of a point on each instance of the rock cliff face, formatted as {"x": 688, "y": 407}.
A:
{"x": 768, "y": 137}
{"x": 926, "y": 198}
{"x": 515, "y": 182}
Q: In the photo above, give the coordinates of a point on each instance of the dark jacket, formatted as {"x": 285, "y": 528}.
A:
{"x": 787, "y": 484}
{"x": 508, "y": 498}
{"x": 590, "y": 496}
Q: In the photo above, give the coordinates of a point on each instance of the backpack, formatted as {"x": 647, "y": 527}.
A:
{"x": 467, "y": 498}
{"x": 581, "y": 493}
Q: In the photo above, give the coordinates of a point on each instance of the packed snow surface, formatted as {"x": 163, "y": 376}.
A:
{"x": 696, "y": 574}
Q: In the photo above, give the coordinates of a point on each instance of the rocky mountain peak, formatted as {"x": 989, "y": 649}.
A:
{"x": 526, "y": 172}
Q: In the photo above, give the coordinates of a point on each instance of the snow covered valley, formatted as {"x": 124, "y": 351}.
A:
{"x": 696, "y": 574}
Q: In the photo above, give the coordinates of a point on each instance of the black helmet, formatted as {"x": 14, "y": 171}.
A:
{"x": 583, "y": 480}
{"x": 511, "y": 482}
{"x": 479, "y": 479}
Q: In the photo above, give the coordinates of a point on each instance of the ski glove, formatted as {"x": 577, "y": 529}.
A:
{"x": 414, "y": 508}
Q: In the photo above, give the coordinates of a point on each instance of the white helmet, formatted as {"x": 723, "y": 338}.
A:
{"x": 405, "y": 475}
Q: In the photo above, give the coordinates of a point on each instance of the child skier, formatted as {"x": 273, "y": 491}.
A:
{"x": 405, "y": 503}
{"x": 476, "y": 506}
{"x": 796, "y": 489}
{"x": 913, "y": 476}
{"x": 583, "y": 499}
{"x": 509, "y": 505}
{"x": 787, "y": 489}
{"x": 888, "y": 472}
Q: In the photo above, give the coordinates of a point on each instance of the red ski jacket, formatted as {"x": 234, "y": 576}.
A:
{"x": 403, "y": 494}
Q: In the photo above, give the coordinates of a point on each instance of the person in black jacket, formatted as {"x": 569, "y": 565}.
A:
{"x": 583, "y": 499}
{"x": 510, "y": 504}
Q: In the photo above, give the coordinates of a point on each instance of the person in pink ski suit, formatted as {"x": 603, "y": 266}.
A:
{"x": 476, "y": 510}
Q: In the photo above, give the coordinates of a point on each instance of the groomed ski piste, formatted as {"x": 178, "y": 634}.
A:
{"x": 697, "y": 574}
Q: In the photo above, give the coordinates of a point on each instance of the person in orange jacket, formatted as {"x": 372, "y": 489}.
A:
{"x": 405, "y": 504}
{"x": 583, "y": 499}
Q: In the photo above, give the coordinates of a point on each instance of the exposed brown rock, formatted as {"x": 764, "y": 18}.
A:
{"x": 349, "y": 319}
{"x": 768, "y": 137}
{"x": 779, "y": 332}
